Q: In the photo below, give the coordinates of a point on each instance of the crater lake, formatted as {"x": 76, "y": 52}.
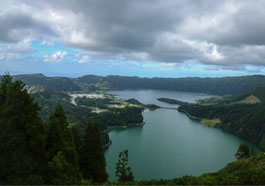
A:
{"x": 170, "y": 144}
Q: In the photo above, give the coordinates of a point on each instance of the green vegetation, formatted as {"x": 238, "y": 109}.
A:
{"x": 52, "y": 83}
{"x": 108, "y": 112}
{"x": 92, "y": 160}
{"x": 210, "y": 122}
{"x": 242, "y": 152}
{"x": 35, "y": 152}
{"x": 220, "y": 86}
{"x": 56, "y": 151}
{"x": 22, "y": 134}
{"x": 250, "y": 100}
{"x": 63, "y": 167}
{"x": 171, "y": 101}
{"x": 241, "y": 114}
{"x": 249, "y": 171}
{"x": 91, "y": 83}
{"x": 123, "y": 171}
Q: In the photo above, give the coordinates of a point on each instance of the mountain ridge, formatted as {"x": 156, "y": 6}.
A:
{"x": 218, "y": 86}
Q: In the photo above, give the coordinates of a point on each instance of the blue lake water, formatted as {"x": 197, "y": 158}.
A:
{"x": 170, "y": 144}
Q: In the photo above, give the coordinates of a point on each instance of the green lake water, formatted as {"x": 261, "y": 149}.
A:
{"x": 170, "y": 144}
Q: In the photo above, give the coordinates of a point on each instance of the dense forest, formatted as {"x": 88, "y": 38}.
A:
{"x": 242, "y": 114}
{"x": 77, "y": 115}
{"x": 51, "y": 152}
{"x": 220, "y": 86}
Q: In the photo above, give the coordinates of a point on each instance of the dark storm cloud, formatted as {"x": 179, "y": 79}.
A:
{"x": 219, "y": 33}
{"x": 17, "y": 26}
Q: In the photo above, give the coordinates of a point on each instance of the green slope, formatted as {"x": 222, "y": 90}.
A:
{"x": 242, "y": 114}
{"x": 53, "y": 83}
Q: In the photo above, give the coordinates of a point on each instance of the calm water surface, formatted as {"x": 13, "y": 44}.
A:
{"x": 170, "y": 144}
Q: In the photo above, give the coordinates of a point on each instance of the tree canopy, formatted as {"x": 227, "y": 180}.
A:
{"x": 22, "y": 136}
{"x": 242, "y": 152}
{"x": 92, "y": 160}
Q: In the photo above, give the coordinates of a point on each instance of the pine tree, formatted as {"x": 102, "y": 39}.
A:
{"x": 22, "y": 139}
{"x": 92, "y": 160}
{"x": 61, "y": 150}
{"x": 242, "y": 152}
{"x": 61, "y": 171}
{"x": 123, "y": 171}
{"x": 77, "y": 138}
{"x": 253, "y": 152}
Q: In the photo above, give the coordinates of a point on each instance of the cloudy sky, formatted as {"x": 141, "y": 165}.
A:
{"x": 147, "y": 38}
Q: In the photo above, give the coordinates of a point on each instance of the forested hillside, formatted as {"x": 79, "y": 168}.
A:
{"x": 107, "y": 112}
{"x": 53, "y": 83}
{"x": 220, "y": 86}
{"x": 242, "y": 114}
{"x": 37, "y": 152}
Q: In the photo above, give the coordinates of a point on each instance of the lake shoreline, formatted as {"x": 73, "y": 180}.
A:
{"x": 106, "y": 146}
{"x": 170, "y": 139}
{"x": 198, "y": 119}
{"x": 124, "y": 127}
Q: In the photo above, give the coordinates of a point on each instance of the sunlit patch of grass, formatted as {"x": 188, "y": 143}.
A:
{"x": 210, "y": 122}
{"x": 250, "y": 100}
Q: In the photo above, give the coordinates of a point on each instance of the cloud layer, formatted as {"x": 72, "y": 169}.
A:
{"x": 220, "y": 34}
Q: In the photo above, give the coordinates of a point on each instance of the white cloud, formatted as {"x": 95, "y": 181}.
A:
{"x": 169, "y": 65}
{"x": 55, "y": 57}
{"x": 9, "y": 52}
{"x": 225, "y": 34}
{"x": 209, "y": 50}
{"x": 85, "y": 59}
{"x": 49, "y": 43}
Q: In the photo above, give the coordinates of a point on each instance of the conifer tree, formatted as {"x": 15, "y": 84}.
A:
{"x": 61, "y": 150}
{"x": 123, "y": 171}
{"x": 92, "y": 160}
{"x": 22, "y": 140}
{"x": 253, "y": 152}
{"x": 242, "y": 152}
{"x": 77, "y": 138}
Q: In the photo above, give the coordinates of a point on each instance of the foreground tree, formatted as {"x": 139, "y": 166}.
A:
{"x": 22, "y": 140}
{"x": 253, "y": 152}
{"x": 92, "y": 161}
{"x": 63, "y": 167}
{"x": 123, "y": 171}
{"x": 242, "y": 152}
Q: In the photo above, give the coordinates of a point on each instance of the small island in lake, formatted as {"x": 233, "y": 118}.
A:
{"x": 171, "y": 101}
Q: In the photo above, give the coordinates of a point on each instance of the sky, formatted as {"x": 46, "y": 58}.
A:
{"x": 146, "y": 38}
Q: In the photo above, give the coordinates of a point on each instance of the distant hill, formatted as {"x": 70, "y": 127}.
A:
{"x": 218, "y": 86}
{"x": 53, "y": 83}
